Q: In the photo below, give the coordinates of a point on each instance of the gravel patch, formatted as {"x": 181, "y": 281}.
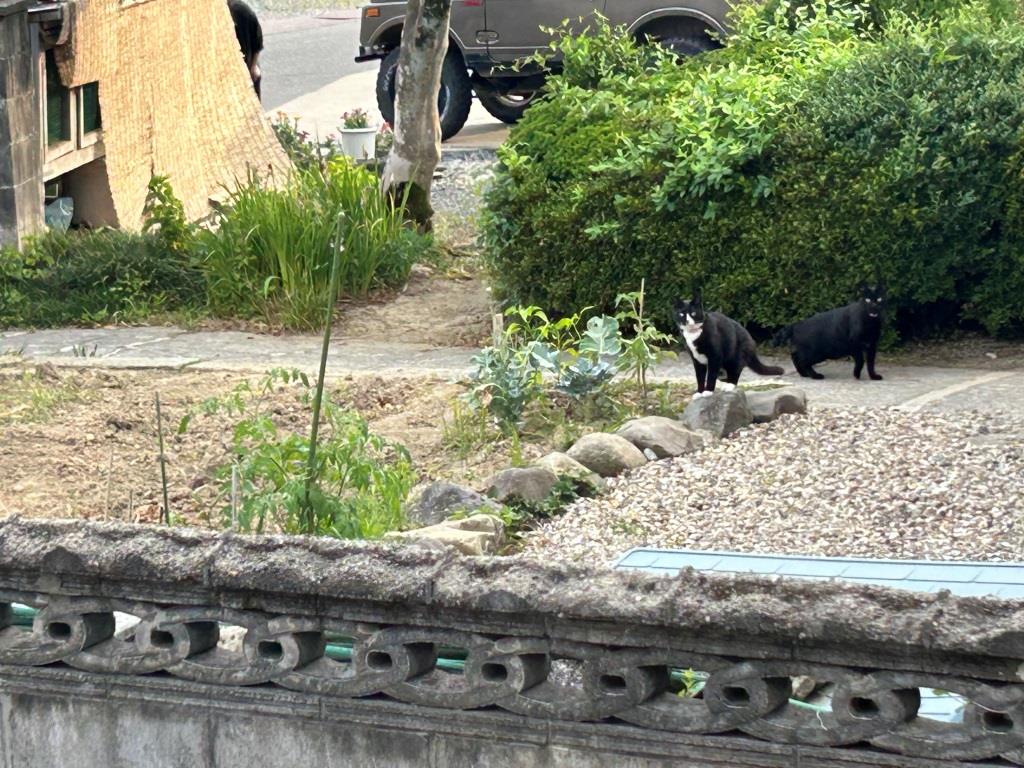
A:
{"x": 462, "y": 178}
{"x": 869, "y": 483}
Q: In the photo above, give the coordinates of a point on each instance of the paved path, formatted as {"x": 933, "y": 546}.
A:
{"x": 908, "y": 387}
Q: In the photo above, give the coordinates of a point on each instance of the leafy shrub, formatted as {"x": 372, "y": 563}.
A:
{"x": 361, "y": 480}
{"x": 576, "y": 360}
{"x": 271, "y": 250}
{"x": 94, "y": 277}
{"x": 810, "y": 154}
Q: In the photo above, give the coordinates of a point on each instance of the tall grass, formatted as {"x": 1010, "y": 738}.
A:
{"x": 270, "y": 251}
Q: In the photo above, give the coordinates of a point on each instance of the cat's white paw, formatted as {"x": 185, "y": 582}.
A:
{"x": 697, "y": 395}
{"x": 726, "y": 386}
{"x": 704, "y": 394}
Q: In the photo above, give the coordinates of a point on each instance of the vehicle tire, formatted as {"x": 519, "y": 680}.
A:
{"x": 507, "y": 107}
{"x": 453, "y": 100}
{"x": 688, "y": 44}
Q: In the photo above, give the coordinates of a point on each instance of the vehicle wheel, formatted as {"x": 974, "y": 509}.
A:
{"x": 453, "y": 100}
{"x": 687, "y": 45}
{"x": 507, "y": 107}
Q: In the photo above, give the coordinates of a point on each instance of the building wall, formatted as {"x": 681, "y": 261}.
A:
{"x": 175, "y": 96}
{"x": 21, "y": 195}
{"x": 88, "y": 186}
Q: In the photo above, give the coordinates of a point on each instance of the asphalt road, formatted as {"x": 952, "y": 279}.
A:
{"x": 303, "y": 53}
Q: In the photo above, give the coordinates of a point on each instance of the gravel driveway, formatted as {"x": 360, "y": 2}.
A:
{"x": 871, "y": 483}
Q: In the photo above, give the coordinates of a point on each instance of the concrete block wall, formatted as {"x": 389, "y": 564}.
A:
{"x": 21, "y": 190}
{"x": 176, "y": 647}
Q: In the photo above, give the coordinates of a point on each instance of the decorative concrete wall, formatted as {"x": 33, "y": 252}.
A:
{"x": 21, "y": 189}
{"x": 564, "y": 666}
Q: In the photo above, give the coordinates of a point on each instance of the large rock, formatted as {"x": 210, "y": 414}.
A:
{"x": 564, "y": 465}
{"x": 721, "y": 414}
{"x": 527, "y": 484}
{"x": 475, "y": 535}
{"x": 437, "y": 501}
{"x": 772, "y": 403}
{"x": 607, "y": 455}
{"x": 663, "y": 437}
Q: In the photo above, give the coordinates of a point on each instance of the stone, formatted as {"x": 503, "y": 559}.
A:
{"x": 564, "y": 465}
{"x": 607, "y": 455}
{"x": 721, "y": 414}
{"x": 772, "y": 403}
{"x": 437, "y": 501}
{"x": 664, "y": 437}
{"x": 526, "y": 484}
{"x": 474, "y": 535}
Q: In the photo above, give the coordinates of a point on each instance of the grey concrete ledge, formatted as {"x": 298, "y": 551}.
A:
{"x": 144, "y": 629}
{"x": 791, "y": 616}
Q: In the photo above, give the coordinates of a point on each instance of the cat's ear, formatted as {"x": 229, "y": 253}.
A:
{"x": 697, "y": 300}
{"x": 863, "y": 290}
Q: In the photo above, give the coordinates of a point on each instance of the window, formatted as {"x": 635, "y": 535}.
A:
{"x": 90, "y": 104}
{"x": 58, "y": 105}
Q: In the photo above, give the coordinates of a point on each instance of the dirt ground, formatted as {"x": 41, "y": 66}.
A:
{"x": 84, "y": 443}
{"x": 447, "y": 310}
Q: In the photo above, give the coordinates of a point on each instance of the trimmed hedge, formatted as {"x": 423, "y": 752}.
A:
{"x": 811, "y": 154}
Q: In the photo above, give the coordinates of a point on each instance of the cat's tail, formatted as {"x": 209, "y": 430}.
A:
{"x": 754, "y": 363}
{"x": 783, "y": 337}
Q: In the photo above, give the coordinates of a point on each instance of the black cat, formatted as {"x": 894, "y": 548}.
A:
{"x": 717, "y": 343}
{"x": 850, "y": 330}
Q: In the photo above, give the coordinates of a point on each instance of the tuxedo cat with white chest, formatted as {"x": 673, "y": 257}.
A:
{"x": 717, "y": 344}
{"x": 850, "y": 331}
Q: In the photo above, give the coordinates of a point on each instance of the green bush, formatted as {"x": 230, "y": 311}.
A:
{"x": 94, "y": 277}
{"x": 270, "y": 250}
{"x": 103, "y": 276}
{"x": 812, "y": 153}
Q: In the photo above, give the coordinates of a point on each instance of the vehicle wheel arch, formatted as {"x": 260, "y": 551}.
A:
{"x": 678, "y": 22}
{"x": 390, "y": 37}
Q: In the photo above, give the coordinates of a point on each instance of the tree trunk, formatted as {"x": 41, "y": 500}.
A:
{"x": 416, "y": 152}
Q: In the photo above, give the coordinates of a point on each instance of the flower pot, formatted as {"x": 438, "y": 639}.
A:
{"x": 359, "y": 143}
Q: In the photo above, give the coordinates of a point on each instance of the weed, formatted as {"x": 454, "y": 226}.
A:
{"x": 360, "y": 480}
{"x": 519, "y": 516}
{"x": 640, "y": 352}
{"x": 272, "y": 249}
{"x": 31, "y": 398}
{"x": 466, "y": 431}
{"x": 82, "y": 350}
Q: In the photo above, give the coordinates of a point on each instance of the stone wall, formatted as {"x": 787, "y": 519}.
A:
{"x": 137, "y": 656}
{"x": 21, "y": 190}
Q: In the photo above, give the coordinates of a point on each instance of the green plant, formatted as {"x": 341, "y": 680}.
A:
{"x": 385, "y": 140}
{"x": 816, "y": 150}
{"x": 640, "y": 351}
{"x": 164, "y": 216}
{"x": 88, "y": 277}
{"x": 356, "y": 118}
{"x": 301, "y": 148}
{"x": 270, "y": 253}
{"x": 466, "y": 430}
{"x": 361, "y": 480}
{"x": 29, "y": 397}
{"x": 519, "y": 516}
{"x": 504, "y": 380}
